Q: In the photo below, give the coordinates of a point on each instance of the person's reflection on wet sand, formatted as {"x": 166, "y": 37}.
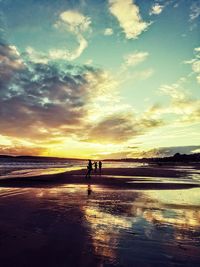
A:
{"x": 89, "y": 190}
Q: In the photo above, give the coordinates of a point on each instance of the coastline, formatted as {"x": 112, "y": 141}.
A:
{"x": 112, "y": 219}
{"x": 123, "y": 178}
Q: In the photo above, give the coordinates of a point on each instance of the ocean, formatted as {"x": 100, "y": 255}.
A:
{"x": 10, "y": 168}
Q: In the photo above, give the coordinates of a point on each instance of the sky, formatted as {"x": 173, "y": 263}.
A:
{"x": 99, "y": 78}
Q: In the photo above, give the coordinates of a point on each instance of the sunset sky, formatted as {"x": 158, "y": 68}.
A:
{"x": 99, "y": 78}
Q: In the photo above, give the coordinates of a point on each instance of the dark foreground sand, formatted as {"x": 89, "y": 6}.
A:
{"x": 65, "y": 220}
{"x": 126, "y": 178}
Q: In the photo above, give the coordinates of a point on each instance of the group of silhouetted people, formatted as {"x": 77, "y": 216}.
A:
{"x": 90, "y": 167}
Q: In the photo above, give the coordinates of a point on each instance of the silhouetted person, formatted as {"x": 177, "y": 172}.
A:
{"x": 100, "y": 166}
{"x": 95, "y": 167}
{"x": 89, "y": 169}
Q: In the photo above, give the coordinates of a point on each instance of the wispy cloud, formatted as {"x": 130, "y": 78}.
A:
{"x": 181, "y": 102}
{"x": 135, "y": 58}
{"x": 128, "y": 15}
{"x": 108, "y": 31}
{"x": 130, "y": 61}
{"x": 137, "y": 75}
{"x": 76, "y": 23}
{"x": 195, "y": 10}
{"x": 72, "y": 22}
{"x": 195, "y": 63}
{"x": 156, "y": 9}
{"x": 35, "y": 56}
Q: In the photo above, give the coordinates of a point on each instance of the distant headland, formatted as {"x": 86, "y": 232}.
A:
{"x": 183, "y": 158}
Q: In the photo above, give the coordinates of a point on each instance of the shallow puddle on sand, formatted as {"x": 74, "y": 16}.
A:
{"x": 158, "y": 226}
{"x": 120, "y": 227}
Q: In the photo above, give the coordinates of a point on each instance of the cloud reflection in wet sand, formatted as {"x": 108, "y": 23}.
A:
{"x": 105, "y": 231}
{"x": 110, "y": 227}
{"x": 146, "y": 222}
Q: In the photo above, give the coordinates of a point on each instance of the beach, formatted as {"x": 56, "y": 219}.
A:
{"x": 141, "y": 216}
{"x": 99, "y": 133}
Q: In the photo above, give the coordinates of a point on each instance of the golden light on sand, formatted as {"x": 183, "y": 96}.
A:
{"x": 105, "y": 231}
{"x": 182, "y": 219}
{"x": 178, "y": 209}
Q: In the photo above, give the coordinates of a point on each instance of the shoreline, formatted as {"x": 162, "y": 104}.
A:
{"x": 67, "y": 220}
{"x": 123, "y": 178}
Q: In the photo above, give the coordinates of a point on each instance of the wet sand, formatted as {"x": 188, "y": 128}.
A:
{"x": 126, "y": 178}
{"x": 122, "y": 217}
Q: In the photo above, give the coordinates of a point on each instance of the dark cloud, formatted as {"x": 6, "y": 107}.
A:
{"x": 120, "y": 127}
{"x": 133, "y": 147}
{"x": 42, "y": 102}
{"x": 21, "y": 150}
{"x": 115, "y": 155}
{"x": 133, "y": 152}
{"x": 115, "y": 128}
{"x": 38, "y": 100}
{"x": 169, "y": 151}
{"x": 10, "y": 63}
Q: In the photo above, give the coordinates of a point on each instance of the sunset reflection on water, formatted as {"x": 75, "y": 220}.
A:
{"x": 120, "y": 227}
{"x": 174, "y": 224}
{"x": 105, "y": 231}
